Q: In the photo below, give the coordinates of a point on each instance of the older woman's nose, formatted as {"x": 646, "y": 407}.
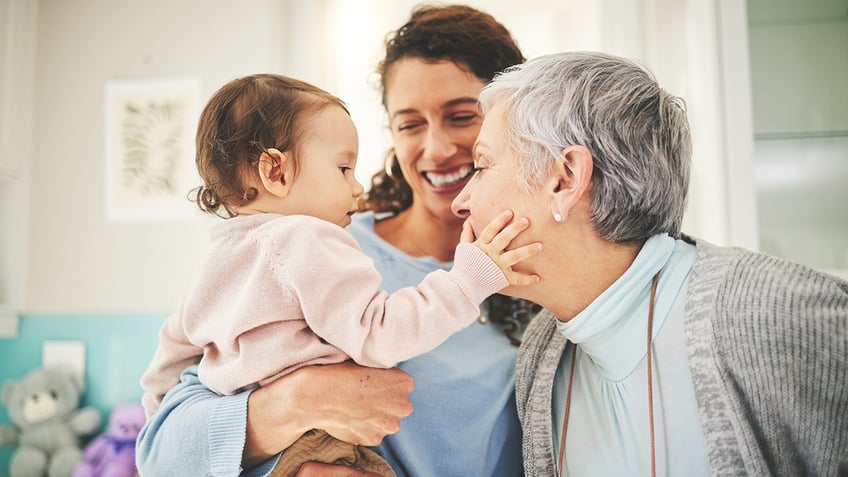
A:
{"x": 460, "y": 206}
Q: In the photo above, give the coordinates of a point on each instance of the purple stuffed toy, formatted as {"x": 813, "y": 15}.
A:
{"x": 112, "y": 454}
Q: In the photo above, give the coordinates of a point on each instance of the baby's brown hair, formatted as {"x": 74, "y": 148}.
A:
{"x": 243, "y": 119}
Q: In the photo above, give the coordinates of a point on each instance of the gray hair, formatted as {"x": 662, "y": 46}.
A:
{"x": 637, "y": 133}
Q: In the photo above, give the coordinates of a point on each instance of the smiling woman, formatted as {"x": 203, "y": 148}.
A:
{"x": 433, "y": 131}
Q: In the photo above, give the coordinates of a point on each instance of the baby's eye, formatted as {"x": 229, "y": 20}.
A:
{"x": 345, "y": 169}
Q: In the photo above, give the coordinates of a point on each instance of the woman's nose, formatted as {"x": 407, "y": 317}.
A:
{"x": 438, "y": 144}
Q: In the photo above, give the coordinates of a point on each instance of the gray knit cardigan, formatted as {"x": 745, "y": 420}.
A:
{"x": 768, "y": 352}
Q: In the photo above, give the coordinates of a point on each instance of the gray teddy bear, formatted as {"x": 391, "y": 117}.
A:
{"x": 48, "y": 424}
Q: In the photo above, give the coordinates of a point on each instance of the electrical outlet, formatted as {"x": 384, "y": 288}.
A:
{"x": 68, "y": 355}
{"x": 9, "y": 323}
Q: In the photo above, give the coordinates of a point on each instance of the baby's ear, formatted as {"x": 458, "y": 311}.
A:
{"x": 275, "y": 172}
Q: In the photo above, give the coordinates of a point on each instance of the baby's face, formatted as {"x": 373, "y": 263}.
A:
{"x": 325, "y": 186}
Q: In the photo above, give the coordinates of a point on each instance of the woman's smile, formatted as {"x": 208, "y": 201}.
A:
{"x": 449, "y": 180}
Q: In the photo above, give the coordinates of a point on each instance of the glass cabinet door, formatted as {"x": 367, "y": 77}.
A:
{"x": 799, "y": 75}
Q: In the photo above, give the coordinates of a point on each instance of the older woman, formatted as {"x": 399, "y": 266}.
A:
{"x": 656, "y": 353}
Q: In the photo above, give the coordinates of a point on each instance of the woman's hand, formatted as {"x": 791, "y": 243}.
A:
{"x": 352, "y": 403}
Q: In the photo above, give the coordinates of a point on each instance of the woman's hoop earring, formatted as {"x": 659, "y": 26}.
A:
{"x": 390, "y": 163}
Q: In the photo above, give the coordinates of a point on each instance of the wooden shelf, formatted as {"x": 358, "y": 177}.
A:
{"x": 779, "y": 136}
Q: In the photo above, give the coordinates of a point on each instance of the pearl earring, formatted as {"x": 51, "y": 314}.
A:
{"x": 557, "y": 217}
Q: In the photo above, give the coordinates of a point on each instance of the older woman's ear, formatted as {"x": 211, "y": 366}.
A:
{"x": 570, "y": 181}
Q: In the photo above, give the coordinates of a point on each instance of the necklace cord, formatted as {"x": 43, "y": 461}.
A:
{"x": 650, "y": 374}
{"x": 649, "y": 364}
{"x": 567, "y": 406}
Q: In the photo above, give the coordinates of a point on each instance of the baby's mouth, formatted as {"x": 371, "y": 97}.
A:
{"x": 446, "y": 180}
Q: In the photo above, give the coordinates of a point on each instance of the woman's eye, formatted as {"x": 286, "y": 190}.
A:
{"x": 464, "y": 118}
{"x": 408, "y": 126}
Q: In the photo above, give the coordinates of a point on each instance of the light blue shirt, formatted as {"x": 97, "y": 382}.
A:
{"x": 465, "y": 421}
{"x": 608, "y": 429}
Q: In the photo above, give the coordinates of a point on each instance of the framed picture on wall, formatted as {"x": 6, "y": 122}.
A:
{"x": 150, "y": 128}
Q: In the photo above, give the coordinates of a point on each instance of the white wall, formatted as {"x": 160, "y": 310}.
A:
{"x": 78, "y": 262}
{"x": 17, "y": 70}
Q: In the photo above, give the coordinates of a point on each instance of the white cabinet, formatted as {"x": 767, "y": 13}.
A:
{"x": 18, "y": 34}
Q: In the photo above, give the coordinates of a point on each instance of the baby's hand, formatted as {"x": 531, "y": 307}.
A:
{"x": 494, "y": 240}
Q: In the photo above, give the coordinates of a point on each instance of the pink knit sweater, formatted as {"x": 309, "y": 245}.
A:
{"x": 275, "y": 293}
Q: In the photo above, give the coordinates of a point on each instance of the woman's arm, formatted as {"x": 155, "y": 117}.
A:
{"x": 197, "y": 431}
{"x": 183, "y": 437}
{"x": 352, "y": 403}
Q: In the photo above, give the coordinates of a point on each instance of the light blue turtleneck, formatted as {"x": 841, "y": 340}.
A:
{"x": 608, "y": 429}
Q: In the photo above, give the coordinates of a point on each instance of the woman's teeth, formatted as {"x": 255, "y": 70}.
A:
{"x": 440, "y": 180}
